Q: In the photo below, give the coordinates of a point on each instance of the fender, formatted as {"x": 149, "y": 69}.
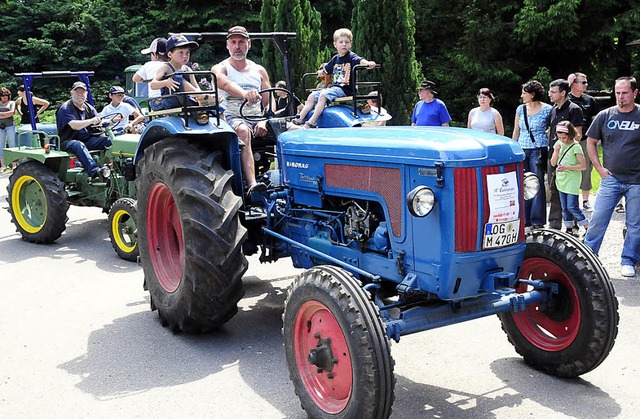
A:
{"x": 160, "y": 128}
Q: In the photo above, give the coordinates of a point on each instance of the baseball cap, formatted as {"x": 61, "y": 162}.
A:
{"x": 158, "y": 46}
{"x": 79, "y": 84}
{"x": 116, "y": 89}
{"x": 179, "y": 40}
{"x": 428, "y": 85}
{"x": 238, "y": 30}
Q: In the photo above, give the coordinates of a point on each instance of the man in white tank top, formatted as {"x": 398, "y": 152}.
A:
{"x": 240, "y": 79}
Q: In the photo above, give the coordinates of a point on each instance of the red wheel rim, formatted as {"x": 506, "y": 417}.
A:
{"x": 164, "y": 235}
{"x": 314, "y": 321}
{"x": 550, "y": 328}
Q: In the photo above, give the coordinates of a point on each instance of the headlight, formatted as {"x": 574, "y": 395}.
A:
{"x": 421, "y": 201}
{"x": 531, "y": 185}
{"x": 202, "y": 118}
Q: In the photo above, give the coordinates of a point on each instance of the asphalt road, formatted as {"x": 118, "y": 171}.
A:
{"x": 77, "y": 339}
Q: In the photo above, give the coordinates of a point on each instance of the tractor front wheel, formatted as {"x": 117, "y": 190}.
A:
{"x": 123, "y": 230}
{"x": 337, "y": 350}
{"x": 574, "y": 331}
{"x": 37, "y": 202}
{"x": 190, "y": 235}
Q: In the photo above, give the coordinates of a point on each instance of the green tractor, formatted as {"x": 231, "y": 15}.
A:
{"x": 46, "y": 180}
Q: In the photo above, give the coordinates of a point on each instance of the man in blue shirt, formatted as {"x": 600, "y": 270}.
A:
{"x": 72, "y": 119}
{"x": 429, "y": 111}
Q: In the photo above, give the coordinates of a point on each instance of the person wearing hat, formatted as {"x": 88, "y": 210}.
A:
{"x": 146, "y": 73}
{"x": 117, "y": 106}
{"x": 179, "y": 50}
{"x": 238, "y": 79}
{"x": 429, "y": 111}
{"x": 72, "y": 120}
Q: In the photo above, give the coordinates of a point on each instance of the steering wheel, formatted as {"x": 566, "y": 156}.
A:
{"x": 104, "y": 125}
{"x": 267, "y": 112}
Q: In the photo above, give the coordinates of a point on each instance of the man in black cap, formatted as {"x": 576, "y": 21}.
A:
{"x": 429, "y": 111}
{"x": 72, "y": 119}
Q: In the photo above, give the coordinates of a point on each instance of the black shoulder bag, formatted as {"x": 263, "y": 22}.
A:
{"x": 542, "y": 151}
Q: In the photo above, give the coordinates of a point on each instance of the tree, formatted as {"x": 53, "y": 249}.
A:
{"x": 393, "y": 48}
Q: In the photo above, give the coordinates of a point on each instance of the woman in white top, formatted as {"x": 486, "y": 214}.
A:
{"x": 484, "y": 117}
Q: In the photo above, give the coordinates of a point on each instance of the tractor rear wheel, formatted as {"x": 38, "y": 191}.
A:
{"x": 336, "y": 346}
{"x": 574, "y": 331}
{"x": 190, "y": 236}
{"x": 123, "y": 230}
{"x": 37, "y": 202}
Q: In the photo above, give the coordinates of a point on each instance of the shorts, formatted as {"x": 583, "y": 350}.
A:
{"x": 331, "y": 93}
{"x": 235, "y": 121}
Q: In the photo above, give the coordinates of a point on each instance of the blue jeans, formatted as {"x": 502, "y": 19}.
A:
{"x": 81, "y": 150}
{"x": 8, "y": 135}
{"x": 571, "y": 210}
{"x": 535, "y": 210}
{"x": 609, "y": 194}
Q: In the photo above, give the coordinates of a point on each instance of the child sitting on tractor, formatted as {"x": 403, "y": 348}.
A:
{"x": 179, "y": 50}
{"x": 340, "y": 66}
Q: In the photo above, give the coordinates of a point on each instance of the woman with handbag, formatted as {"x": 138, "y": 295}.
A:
{"x": 529, "y": 130}
{"x": 7, "y": 128}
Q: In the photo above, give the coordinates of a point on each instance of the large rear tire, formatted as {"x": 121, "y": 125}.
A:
{"x": 337, "y": 350}
{"x": 123, "y": 230}
{"x": 37, "y": 202}
{"x": 573, "y": 332}
{"x": 190, "y": 236}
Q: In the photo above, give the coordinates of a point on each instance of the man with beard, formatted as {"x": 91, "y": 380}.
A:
{"x": 240, "y": 78}
{"x": 72, "y": 119}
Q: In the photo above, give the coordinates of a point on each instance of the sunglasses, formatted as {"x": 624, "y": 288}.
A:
{"x": 5, "y": 95}
{"x": 581, "y": 82}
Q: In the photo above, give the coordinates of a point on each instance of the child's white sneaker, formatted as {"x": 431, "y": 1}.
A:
{"x": 628, "y": 271}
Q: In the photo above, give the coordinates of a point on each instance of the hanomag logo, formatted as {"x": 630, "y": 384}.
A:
{"x": 297, "y": 165}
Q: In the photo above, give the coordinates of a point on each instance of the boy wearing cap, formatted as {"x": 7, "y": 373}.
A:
{"x": 116, "y": 94}
{"x": 340, "y": 67}
{"x": 429, "y": 111}
{"x": 72, "y": 120}
{"x": 179, "y": 50}
{"x": 158, "y": 51}
{"x": 240, "y": 78}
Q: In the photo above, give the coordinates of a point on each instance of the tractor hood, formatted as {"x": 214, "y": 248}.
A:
{"x": 456, "y": 147}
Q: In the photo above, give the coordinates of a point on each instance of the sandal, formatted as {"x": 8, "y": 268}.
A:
{"x": 310, "y": 125}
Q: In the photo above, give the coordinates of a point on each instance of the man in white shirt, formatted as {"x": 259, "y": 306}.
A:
{"x": 116, "y": 94}
{"x": 146, "y": 73}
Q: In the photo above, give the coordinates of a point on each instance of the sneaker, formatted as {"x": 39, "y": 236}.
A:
{"x": 628, "y": 271}
{"x": 586, "y": 206}
{"x": 620, "y": 208}
{"x": 569, "y": 230}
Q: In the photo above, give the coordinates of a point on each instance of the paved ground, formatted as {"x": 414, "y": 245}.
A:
{"x": 77, "y": 339}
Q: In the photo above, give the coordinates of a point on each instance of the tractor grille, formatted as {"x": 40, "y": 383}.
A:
{"x": 382, "y": 180}
{"x": 468, "y": 230}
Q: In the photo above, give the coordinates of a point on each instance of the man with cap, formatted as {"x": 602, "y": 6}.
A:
{"x": 72, "y": 120}
{"x": 429, "y": 111}
{"x": 117, "y": 106}
{"x": 240, "y": 78}
{"x": 146, "y": 73}
{"x": 179, "y": 50}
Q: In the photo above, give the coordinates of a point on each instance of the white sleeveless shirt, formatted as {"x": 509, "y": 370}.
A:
{"x": 248, "y": 80}
{"x": 483, "y": 120}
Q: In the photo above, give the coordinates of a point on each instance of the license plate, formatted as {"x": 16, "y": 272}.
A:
{"x": 500, "y": 234}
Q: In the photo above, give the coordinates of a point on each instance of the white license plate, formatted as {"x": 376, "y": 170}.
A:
{"x": 500, "y": 234}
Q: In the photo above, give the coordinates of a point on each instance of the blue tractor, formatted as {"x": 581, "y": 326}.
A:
{"x": 398, "y": 230}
